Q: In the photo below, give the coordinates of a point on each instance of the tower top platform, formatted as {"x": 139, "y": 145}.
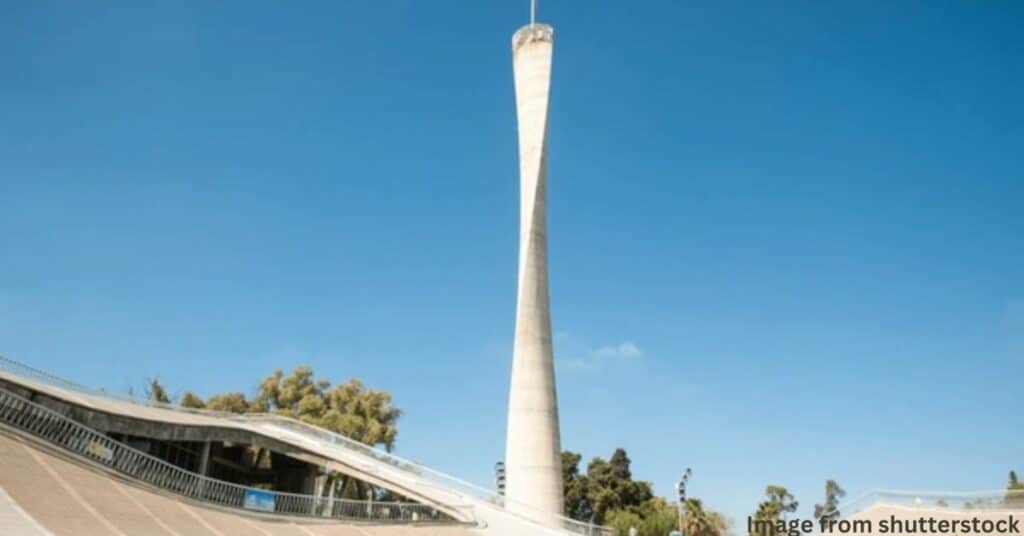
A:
{"x": 531, "y": 33}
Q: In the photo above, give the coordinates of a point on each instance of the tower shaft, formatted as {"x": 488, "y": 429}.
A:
{"x": 533, "y": 450}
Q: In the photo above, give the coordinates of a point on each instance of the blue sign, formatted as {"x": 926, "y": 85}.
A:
{"x": 258, "y": 499}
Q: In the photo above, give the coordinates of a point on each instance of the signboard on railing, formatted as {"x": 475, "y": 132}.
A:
{"x": 258, "y": 499}
{"x": 99, "y": 450}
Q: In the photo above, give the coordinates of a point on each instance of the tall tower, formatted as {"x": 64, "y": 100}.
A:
{"x": 533, "y": 458}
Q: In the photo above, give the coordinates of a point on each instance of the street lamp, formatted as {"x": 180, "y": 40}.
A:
{"x": 681, "y": 488}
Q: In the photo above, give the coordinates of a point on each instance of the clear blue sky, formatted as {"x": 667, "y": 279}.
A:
{"x": 787, "y": 239}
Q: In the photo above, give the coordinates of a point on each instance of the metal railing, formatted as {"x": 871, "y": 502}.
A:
{"x": 944, "y": 500}
{"x": 327, "y": 438}
{"x": 60, "y": 431}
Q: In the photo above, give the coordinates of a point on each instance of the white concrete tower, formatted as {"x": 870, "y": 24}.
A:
{"x": 533, "y": 459}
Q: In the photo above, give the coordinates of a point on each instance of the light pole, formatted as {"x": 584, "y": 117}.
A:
{"x": 499, "y": 477}
{"x": 681, "y": 488}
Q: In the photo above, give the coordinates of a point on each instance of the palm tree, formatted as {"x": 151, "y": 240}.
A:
{"x": 699, "y": 522}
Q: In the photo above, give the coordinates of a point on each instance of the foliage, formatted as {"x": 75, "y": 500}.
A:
{"x": 608, "y": 495}
{"x": 349, "y": 408}
{"x": 191, "y": 400}
{"x": 1014, "y": 491}
{"x": 577, "y": 506}
{"x": 778, "y": 503}
{"x": 608, "y": 485}
{"x": 830, "y": 509}
{"x": 658, "y": 518}
{"x": 653, "y": 518}
{"x": 233, "y": 402}
{"x": 623, "y": 520}
{"x": 155, "y": 392}
{"x": 700, "y": 522}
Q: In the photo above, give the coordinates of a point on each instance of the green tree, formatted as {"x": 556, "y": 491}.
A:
{"x": 830, "y": 509}
{"x": 623, "y": 520}
{"x": 781, "y": 496}
{"x": 610, "y": 486}
{"x": 779, "y": 502}
{"x": 350, "y": 409}
{"x": 576, "y": 487}
{"x": 608, "y": 495}
{"x": 1014, "y": 491}
{"x": 297, "y": 395}
{"x": 656, "y": 517}
{"x": 233, "y": 402}
{"x": 700, "y": 522}
{"x": 363, "y": 414}
{"x": 191, "y": 400}
{"x": 155, "y": 391}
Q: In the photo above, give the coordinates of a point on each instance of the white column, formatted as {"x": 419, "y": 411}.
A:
{"x": 204, "y": 459}
{"x": 533, "y": 449}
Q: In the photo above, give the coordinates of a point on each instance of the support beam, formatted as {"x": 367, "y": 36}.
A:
{"x": 204, "y": 459}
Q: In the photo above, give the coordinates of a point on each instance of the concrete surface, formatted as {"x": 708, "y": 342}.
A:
{"x": 48, "y": 495}
{"x": 16, "y": 521}
{"x": 100, "y": 412}
{"x": 451, "y": 496}
{"x": 533, "y": 459}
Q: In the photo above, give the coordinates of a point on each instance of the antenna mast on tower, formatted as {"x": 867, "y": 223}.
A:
{"x": 533, "y": 12}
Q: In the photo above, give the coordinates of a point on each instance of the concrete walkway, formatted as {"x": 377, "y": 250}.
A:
{"x": 45, "y": 495}
{"x": 16, "y": 522}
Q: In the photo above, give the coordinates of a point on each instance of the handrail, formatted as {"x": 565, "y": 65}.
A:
{"x": 56, "y": 429}
{"x": 449, "y": 482}
{"x": 949, "y": 500}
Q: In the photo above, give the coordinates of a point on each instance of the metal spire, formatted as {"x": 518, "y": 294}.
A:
{"x": 533, "y": 12}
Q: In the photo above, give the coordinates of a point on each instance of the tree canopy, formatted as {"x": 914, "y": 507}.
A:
{"x": 156, "y": 392}
{"x": 653, "y": 518}
{"x": 607, "y": 494}
{"x": 350, "y": 408}
{"x": 607, "y": 485}
{"x": 700, "y": 522}
{"x": 830, "y": 508}
{"x": 1014, "y": 491}
{"x": 779, "y": 501}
